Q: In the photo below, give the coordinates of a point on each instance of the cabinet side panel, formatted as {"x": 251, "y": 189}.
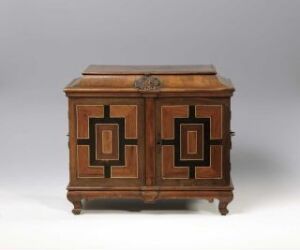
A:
{"x": 72, "y": 140}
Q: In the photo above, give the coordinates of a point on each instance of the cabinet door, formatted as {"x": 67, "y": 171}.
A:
{"x": 192, "y": 142}
{"x": 108, "y": 142}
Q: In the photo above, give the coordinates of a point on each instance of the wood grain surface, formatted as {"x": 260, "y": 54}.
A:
{"x": 172, "y": 142}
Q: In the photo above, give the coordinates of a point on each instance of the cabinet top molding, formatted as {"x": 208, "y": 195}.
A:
{"x": 193, "y": 80}
{"x": 150, "y": 69}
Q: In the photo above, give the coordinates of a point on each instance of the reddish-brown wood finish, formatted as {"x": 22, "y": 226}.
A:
{"x": 149, "y": 69}
{"x": 217, "y": 110}
{"x": 149, "y": 196}
{"x": 122, "y": 135}
{"x": 150, "y": 141}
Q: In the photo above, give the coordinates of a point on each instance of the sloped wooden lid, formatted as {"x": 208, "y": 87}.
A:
{"x": 150, "y": 70}
{"x": 150, "y": 79}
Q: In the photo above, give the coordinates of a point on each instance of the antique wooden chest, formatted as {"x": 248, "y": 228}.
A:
{"x": 150, "y": 132}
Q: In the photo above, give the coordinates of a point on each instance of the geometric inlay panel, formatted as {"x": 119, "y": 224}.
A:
{"x": 107, "y": 143}
{"x": 191, "y": 141}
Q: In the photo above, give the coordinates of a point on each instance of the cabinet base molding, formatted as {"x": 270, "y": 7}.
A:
{"x": 150, "y": 196}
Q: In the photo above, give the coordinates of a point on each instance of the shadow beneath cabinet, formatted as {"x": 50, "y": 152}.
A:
{"x": 159, "y": 207}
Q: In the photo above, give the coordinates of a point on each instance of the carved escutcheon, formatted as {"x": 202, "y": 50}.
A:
{"x": 147, "y": 82}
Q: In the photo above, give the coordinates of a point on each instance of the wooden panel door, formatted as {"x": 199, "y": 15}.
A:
{"x": 108, "y": 142}
{"x": 192, "y": 138}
